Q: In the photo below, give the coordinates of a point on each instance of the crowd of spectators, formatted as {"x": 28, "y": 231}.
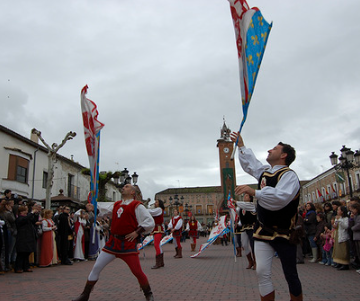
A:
{"x": 331, "y": 234}
{"x": 31, "y": 236}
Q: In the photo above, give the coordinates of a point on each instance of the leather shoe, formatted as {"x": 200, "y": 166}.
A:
{"x": 67, "y": 263}
{"x": 343, "y": 267}
{"x": 28, "y": 270}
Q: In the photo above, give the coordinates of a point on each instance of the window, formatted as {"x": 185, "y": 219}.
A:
{"x": 210, "y": 209}
{"x": 70, "y": 185}
{"x": 18, "y": 169}
{"x": 45, "y": 178}
{"x": 198, "y": 209}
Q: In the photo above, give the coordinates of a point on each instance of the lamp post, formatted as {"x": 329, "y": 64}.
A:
{"x": 176, "y": 201}
{"x": 348, "y": 160}
{"x": 125, "y": 178}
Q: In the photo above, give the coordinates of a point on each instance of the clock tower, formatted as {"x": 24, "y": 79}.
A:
{"x": 227, "y": 165}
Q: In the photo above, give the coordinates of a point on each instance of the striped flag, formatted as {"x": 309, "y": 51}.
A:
{"x": 319, "y": 195}
{"x": 92, "y": 127}
{"x": 251, "y": 32}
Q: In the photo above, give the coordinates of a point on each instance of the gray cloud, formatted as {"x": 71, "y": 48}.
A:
{"x": 165, "y": 73}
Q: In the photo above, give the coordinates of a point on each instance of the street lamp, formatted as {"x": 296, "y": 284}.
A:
{"x": 348, "y": 160}
{"x": 125, "y": 178}
{"x": 176, "y": 201}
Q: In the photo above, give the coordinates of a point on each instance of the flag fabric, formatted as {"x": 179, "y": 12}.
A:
{"x": 327, "y": 195}
{"x": 92, "y": 127}
{"x": 166, "y": 239}
{"x": 340, "y": 177}
{"x": 232, "y": 209}
{"x": 251, "y": 32}
{"x": 334, "y": 194}
{"x": 319, "y": 195}
{"x": 148, "y": 239}
{"x": 218, "y": 230}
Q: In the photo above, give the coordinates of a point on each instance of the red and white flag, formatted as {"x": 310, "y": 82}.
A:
{"x": 92, "y": 127}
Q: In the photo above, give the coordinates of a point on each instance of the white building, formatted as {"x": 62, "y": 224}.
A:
{"x": 24, "y": 170}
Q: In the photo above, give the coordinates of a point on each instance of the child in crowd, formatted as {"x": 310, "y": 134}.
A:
{"x": 328, "y": 240}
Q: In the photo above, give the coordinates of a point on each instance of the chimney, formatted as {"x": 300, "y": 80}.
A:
{"x": 34, "y": 138}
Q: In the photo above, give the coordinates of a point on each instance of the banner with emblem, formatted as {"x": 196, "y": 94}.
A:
{"x": 166, "y": 239}
{"x": 251, "y": 33}
{"x": 92, "y": 127}
{"x": 148, "y": 240}
{"x": 219, "y": 229}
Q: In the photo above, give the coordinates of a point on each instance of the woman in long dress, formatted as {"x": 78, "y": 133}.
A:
{"x": 79, "y": 240}
{"x": 341, "y": 249}
{"x": 48, "y": 254}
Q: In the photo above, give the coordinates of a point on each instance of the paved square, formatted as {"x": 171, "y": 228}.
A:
{"x": 214, "y": 275}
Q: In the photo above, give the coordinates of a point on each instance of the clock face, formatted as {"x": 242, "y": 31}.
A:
{"x": 226, "y": 150}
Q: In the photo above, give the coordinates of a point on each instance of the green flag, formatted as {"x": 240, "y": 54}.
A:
{"x": 340, "y": 177}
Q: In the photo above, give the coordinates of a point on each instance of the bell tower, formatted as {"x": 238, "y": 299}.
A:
{"x": 227, "y": 165}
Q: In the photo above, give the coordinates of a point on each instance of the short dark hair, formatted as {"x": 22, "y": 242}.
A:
{"x": 356, "y": 206}
{"x": 355, "y": 199}
{"x": 337, "y": 203}
{"x": 7, "y": 191}
{"x": 290, "y": 151}
{"x": 344, "y": 211}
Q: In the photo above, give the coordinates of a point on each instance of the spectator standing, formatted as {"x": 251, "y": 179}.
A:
{"x": 320, "y": 226}
{"x": 354, "y": 224}
{"x": 327, "y": 238}
{"x": 26, "y": 240}
{"x": 7, "y": 215}
{"x": 335, "y": 205}
{"x": 93, "y": 243}
{"x": 341, "y": 251}
{"x": 64, "y": 230}
{"x": 328, "y": 213}
{"x": 300, "y": 229}
{"x": 79, "y": 246}
{"x": 310, "y": 228}
{"x": 2, "y": 223}
{"x": 48, "y": 254}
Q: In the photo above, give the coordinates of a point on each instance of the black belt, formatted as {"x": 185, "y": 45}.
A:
{"x": 273, "y": 230}
{"x": 122, "y": 237}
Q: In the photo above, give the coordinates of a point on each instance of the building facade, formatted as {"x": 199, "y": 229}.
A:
{"x": 331, "y": 185}
{"x": 24, "y": 170}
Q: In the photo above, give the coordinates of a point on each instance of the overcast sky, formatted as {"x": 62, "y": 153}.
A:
{"x": 164, "y": 73}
